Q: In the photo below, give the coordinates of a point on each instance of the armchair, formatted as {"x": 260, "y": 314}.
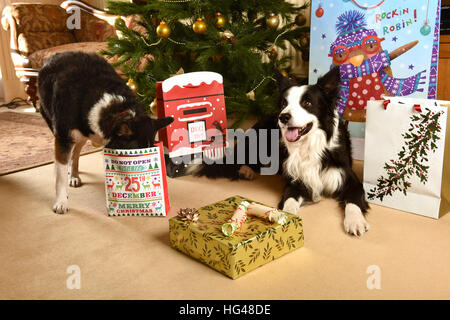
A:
{"x": 38, "y": 31}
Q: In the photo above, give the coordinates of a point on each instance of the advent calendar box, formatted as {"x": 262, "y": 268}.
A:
{"x": 136, "y": 182}
{"x": 196, "y": 102}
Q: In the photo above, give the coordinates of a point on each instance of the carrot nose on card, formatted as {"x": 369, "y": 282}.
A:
{"x": 356, "y": 60}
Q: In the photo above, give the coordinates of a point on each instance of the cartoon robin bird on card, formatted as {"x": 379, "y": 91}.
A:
{"x": 365, "y": 67}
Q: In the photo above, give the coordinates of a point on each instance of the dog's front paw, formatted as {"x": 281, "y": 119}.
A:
{"x": 291, "y": 205}
{"x": 75, "y": 182}
{"x": 246, "y": 172}
{"x": 60, "y": 207}
{"x": 354, "y": 221}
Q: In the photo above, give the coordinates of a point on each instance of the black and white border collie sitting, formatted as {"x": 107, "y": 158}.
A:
{"x": 82, "y": 97}
{"x": 315, "y": 151}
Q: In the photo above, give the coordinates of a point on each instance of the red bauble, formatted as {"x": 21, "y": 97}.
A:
{"x": 319, "y": 12}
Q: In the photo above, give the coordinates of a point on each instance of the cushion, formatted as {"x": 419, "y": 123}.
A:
{"x": 39, "y": 18}
{"x": 93, "y": 29}
{"x": 38, "y": 58}
{"x": 30, "y": 42}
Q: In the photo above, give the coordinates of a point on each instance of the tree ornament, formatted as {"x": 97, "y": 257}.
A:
{"x": 304, "y": 41}
{"x": 132, "y": 85}
{"x": 163, "y": 30}
{"x": 273, "y": 54}
{"x": 273, "y": 21}
{"x": 425, "y": 29}
{"x": 228, "y": 36}
{"x": 220, "y": 20}
{"x": 300, "y": 19}
{"x": 319, "y": 11}
{"x": 119, "y": 22}
{"x": 153, "y": 107}
{"x": 284, "y": 73}
{"x": 199, "y": 26}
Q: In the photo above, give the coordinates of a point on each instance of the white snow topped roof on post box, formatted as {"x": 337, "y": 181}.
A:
{"x": 191, "y": 79}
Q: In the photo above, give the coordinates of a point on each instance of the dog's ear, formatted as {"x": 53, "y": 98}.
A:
{"x": 156, "y": 125}
{"x": 330, "y": 82}
{"x": 282, "y": 82}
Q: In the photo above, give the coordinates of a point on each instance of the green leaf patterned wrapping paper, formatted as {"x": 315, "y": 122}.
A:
{"x": 256, "y": 243}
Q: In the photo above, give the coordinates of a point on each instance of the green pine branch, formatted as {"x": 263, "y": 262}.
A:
{"x": 419, "y": 140}
{"x": 242, "y": 59}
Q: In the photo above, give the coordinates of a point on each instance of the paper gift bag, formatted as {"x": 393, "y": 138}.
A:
{"x": 196, "y": 102}
{"x": 407, "y": 155}
{"x": 135, "y": 182}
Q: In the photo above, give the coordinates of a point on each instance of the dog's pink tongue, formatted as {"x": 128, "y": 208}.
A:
{"x": 291, "y": 134}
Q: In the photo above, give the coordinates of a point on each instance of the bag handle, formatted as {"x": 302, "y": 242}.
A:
{"x": 416, "y": 107}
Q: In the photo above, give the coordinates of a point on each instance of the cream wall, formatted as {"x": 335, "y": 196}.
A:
{"x": 12, "y": 87}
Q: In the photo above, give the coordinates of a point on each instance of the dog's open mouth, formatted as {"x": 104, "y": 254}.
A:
{"x": 294, "y": 133}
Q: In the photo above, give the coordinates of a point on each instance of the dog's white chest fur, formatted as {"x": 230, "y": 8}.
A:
{"x": 305, "y": 164}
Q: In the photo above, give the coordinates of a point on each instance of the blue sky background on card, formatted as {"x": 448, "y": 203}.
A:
{"x": 323, "y": 33}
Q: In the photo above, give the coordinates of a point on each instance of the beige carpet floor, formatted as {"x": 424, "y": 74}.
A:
{"x": 130, "y": 257}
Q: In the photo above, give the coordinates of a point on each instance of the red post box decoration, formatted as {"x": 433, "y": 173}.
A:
{"x": 196, "y": 102}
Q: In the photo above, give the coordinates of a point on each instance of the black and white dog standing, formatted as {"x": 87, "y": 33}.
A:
{"x": 82, "y": 97}
{"x": 315, "y": 151}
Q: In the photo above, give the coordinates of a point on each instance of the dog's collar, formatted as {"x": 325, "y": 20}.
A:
{"x": 114, "y": 119}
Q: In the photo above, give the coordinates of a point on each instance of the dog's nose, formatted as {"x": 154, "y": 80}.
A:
{"x": 284, "y": 117}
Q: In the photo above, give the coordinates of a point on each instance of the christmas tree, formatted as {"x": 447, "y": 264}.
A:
{"x": 240, "y": 39}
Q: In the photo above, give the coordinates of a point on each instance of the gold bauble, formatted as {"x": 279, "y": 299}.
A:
{"x": 273, "y": 21}
{"x": 273, "y": 54}
{"x": 304, "y": 41}
{"x": 284, "y": 73}
{"x": 132, "y": 85}
{"x": 119, "y": 22}
{"x": 153, "y": 107}
{"x": 199, "y": 26}
{"x": 220, "y": 20}
{"x": 163, "y": 30}
{"x": 300, "y": 19}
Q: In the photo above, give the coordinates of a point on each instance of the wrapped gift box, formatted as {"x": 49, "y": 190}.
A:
{"x": 255, "y": 244}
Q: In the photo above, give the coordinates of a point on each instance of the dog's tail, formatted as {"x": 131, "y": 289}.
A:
{"x": 215, "y": 170}
{"x": 219, "y": 168}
